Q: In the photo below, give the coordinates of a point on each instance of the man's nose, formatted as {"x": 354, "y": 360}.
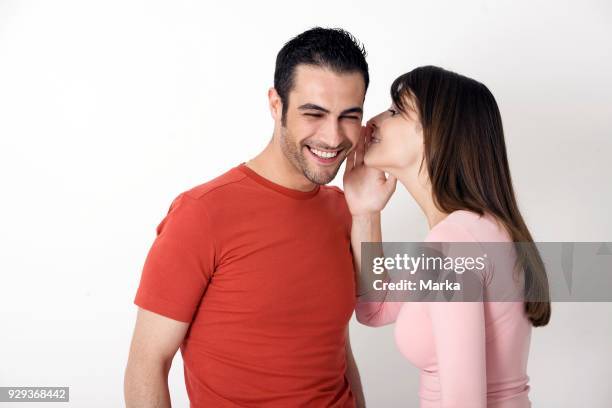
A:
{"x": 332, "y": 134}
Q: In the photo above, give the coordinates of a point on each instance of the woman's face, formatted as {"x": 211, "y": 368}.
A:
{"x": 396, "y": 144}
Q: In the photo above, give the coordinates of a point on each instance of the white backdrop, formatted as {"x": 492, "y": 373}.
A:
{"x": 109, "y": 109}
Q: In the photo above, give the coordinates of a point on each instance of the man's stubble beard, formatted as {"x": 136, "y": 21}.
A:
{"x": 295, "y": 155}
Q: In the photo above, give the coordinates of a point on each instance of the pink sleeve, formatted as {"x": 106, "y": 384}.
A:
{"x": 377, "y": 314}
{"x": 459, "y": 337}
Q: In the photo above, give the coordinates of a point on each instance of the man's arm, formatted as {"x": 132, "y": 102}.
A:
{"x": 154, "y": 343}
{"x": 352, "y": 374}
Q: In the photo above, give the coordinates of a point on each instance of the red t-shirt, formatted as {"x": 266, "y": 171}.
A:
{"x": 264, "y": 274}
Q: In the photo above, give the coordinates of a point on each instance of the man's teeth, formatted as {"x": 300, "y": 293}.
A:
{"x": 322, "y": 154}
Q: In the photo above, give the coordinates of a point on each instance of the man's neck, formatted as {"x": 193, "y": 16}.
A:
{"x": 272, "y": 164}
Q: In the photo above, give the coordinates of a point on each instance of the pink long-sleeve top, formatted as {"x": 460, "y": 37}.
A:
{"x": 470, "y": 354}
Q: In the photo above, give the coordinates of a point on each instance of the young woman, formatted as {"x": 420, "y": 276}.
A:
{"x": 442, "y": 138}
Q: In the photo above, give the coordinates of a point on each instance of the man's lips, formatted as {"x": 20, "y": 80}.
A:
{"x": 325, "y": 156}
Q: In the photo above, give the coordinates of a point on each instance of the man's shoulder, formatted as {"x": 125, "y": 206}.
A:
{"x": 335, "y": 196}
{"x": 221, "y": 183}
{"x": 334, "y": 191}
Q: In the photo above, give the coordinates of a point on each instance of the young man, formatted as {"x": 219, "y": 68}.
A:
{"x": 251, "y": 274}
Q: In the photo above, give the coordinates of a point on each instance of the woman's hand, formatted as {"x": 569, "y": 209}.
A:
{"x": 366, "y": 189}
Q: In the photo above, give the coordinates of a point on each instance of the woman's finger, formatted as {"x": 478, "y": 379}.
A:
{"x": 350, "y": 162}
{"x": 360, "y": 149}
{"x": 368, "y": 136}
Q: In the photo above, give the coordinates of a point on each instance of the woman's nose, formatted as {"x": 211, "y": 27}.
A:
{"x": 374, "y": 122}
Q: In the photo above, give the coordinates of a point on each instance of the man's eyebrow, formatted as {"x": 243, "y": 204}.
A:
{"x": 312, "y": 106}
{"x": 356, "y": 109}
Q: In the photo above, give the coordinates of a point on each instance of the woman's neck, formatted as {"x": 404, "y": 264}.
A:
{"x": 420, "y": 189}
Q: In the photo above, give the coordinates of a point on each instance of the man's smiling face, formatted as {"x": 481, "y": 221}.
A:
{"x": 322, "y": 122}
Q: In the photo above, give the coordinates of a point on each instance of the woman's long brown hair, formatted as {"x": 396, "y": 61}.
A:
{"x": 467, "y": 164}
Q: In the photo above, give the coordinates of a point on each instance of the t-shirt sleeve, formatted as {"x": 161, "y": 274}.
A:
{"x": 180, "y": 262}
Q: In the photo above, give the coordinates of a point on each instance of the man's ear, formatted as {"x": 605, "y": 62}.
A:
{"x": 275, "y": 104}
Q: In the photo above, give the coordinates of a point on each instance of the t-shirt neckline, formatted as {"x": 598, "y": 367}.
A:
{"x": 289, "y": 192}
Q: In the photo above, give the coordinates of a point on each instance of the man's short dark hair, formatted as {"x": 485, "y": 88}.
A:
{"x": 332, "y": 48}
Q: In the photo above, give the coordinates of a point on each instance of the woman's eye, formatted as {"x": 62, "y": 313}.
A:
{"x": 393, "y": 112}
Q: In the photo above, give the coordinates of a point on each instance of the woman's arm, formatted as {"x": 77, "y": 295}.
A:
{"x": 366, "y": 228}
{"x": 459, "y": 332}
{"x": 459, "y": 337}
{"x": 367, "y": 191}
